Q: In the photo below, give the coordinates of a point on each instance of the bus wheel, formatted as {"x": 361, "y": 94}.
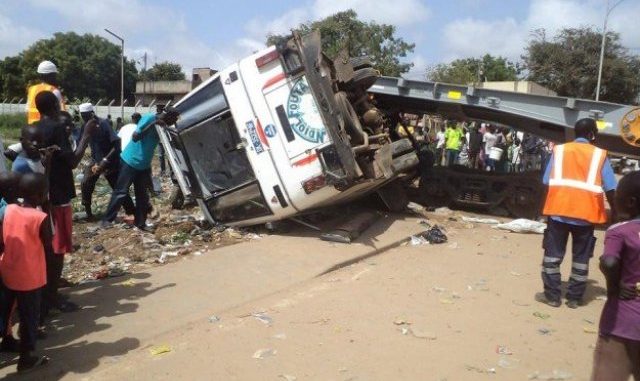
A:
{"x": 360, "y": 62}
{"x": 365, "y": 78}
{"x": 394, "y": 196}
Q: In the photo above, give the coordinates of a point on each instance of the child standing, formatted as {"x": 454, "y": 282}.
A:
{"x": 25, "y": 233}
{"x": 617, "y": 354}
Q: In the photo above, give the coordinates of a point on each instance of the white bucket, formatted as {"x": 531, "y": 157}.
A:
{"x": 495, "y": 153}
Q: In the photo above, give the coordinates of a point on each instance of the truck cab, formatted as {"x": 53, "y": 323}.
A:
{"x": 277, "y": 134}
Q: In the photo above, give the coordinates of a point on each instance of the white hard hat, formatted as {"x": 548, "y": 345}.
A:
{"x": 85, "y": 107}
{"x": 47, "y": 67}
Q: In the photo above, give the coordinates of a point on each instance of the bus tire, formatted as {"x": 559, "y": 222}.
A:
{"x": 400, "y": 147}
{"x": 365, "y": 78}
{"x": 394, "y": 196}
{"x": 360, "y": 62}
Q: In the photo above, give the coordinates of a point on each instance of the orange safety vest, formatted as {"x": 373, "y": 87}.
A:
{"x": 32, "y": 111}
{"x": 575, "y": 184}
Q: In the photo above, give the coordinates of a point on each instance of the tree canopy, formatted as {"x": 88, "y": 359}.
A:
{"x": 470, "y": 70}
{"x": 568, "y": 64}
{"x": 88, "y": 66}
{"x": 344, "y": 30}
{"x": 164, "y": 71}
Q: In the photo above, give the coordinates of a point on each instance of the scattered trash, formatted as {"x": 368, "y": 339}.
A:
{"x": 214, "y": 319}
{"x": 422, "y": 334}
{"x": 502, "y": 350}
{"x": 446, "y": 301}
{"x": 159, "y": 349}
{"x": 128, "y": 283}
{"x": 544, "y": 331}
{"x": 264, "y": 353}
{"x": 523, "y": 225}
{"x": 435, "y": 235}
{"x": 505, "y": 363}
{"x": 280, "y": 336}
{"x": 401, "y": 322}
{"x": 444, "y": 211}
{"x": 263, "y": 318}
{"x": 489, "y": 221}
{"x": 589, "y": 330}
{"x": 424, "y": 223}
{"x": 515, "y": 273}
{"x": 288, "y": 377}
{"x": 555, "y": 375}
{"x": 588, "y": 321}
{"x": 98, "y": 248}
{"x": 601, "y": 297}
{"x": 166, "y": 254}
{"x": 438, "y": 289}
{"x": 453, "y": 246}
{"x": 541, "y": 315}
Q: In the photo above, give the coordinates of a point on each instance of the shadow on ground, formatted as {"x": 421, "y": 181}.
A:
{"x": 98, "y": 301}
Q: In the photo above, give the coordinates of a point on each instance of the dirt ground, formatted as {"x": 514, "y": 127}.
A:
{"x": 462, "y": 310}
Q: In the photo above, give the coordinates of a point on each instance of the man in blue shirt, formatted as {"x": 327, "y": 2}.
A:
{"x": 105, "y": 148}
{"x": 135, "y": 167}
{"x": 559, "y": 227}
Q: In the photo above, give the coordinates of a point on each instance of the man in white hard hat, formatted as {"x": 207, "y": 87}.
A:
{"x": 48, "y": 73}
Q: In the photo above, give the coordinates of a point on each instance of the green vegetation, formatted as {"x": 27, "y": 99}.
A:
{"x": 164, "y": 71}
{"x": 568, "y": 64}
{"x": 10, "y": 125}
{"x": 343, "y": 30}
{"x": 470, "y": 70}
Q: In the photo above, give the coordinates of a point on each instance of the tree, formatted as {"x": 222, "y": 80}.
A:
{"x": 343, "y": 30}
{"x": 164, "y": 71}
{"x": 568, "y": 65}
{"x": 11, "y": 82}
{"x": 470, "y": 70}
{"x": 88, "y": 65}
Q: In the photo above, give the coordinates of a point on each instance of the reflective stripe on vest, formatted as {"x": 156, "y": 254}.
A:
{"x": 588, "y": 185}
{"x": 575, "y": 184}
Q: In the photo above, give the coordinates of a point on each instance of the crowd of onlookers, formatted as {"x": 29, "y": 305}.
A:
{"x": 483, "y": 146}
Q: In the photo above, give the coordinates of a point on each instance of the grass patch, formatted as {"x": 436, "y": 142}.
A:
{"x": 10, "y": 125}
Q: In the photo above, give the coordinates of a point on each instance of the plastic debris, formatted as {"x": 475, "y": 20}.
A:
{"x": 541, "y": 315}
{"x": 288, "y": 377}
{"x": 160, "y": 349}
{"x": 214, "y": 319}
{"x": 505, "y": 363}
{"x": 523, "y": 225}
{"x": 453, "y": 246}
{"x": 444, "y": 211}
{"x": 544, "y": 331}
{"x": 280, "y": 336}
{"x": 263, "y": 318}
{"x": 601, "y": 297}
{"x": 589, "y": 330}
{"x": 264, "y": 353}
{"x": 438, "y": 289}
{"x": 446, "y": 301}
{"x": 489, "y": 221}
{"x": 502, "y": 350}
{"x": 401, "y": 322}
{"x": 435, "y": 235}
{"x": 128, "y": 283}
{"x": 555, "y": 375}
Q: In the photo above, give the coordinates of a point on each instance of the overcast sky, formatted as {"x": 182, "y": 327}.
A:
{"x": 199, "y": 33}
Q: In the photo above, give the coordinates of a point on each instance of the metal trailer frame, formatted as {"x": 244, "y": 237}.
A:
{"x": 549, "y": 117}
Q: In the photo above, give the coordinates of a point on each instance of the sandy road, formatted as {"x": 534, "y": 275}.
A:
{"x": 438, "y": 312}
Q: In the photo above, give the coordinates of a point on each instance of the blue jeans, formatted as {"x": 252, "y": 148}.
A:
{"x": 452, "y": 156}
{"x": 140, "y": 180}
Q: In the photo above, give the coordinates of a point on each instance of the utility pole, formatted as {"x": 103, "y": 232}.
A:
{"x": 121, "y": 71}
{"x": 144, "y": 80}
{"x": 604, "y": 40}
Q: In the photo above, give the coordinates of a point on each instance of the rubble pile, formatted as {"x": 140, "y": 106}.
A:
{"x": 121, "y": 249}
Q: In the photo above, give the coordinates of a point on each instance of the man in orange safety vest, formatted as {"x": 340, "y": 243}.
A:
{"x": 579, "y": 176}
{"x": 48, "y": 73}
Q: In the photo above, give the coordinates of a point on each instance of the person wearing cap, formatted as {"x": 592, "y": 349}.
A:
{"x": 105, "y": 149}
{"x": 579, "y": 176}
{"x": 135, "y": 167}
{"x": 48, "y": 73}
